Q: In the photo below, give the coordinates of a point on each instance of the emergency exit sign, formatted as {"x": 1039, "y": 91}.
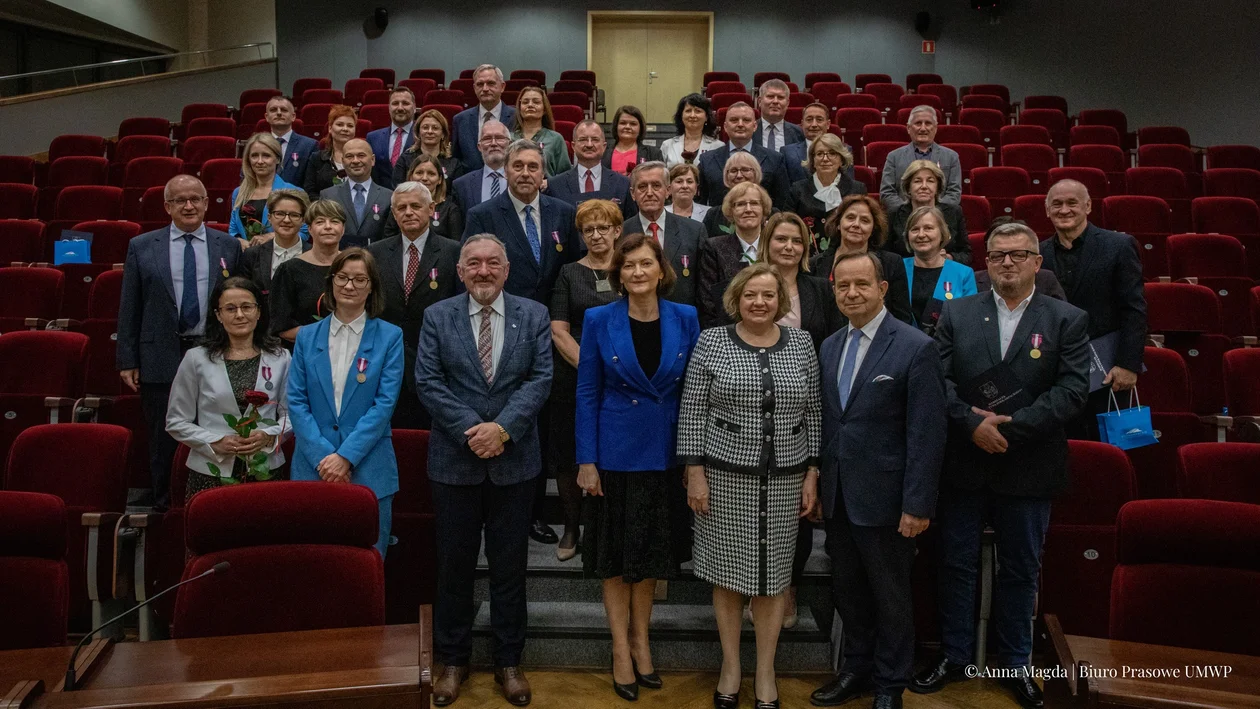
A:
{"x": 929, "y": 46}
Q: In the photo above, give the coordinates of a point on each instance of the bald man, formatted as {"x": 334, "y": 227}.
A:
{"x": 366, "y": 203}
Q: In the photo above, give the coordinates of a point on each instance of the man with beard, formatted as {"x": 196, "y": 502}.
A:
{"x": 488, "y": 181}
{"x": 390, "y": 143}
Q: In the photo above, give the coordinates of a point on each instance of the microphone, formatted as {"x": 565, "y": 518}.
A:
{"x": 71, "y": 680}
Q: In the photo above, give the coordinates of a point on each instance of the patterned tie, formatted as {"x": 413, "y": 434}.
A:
{"x": 846, "y": 370}
{"x": 397, "y": 149}
{"x": 496, "y": 188}
{"x": 413, "y": 265}
{"x": 360, "y": 202}
{"x": 656, "y": 232}
{"x": 590, "y": 183}
{"x": 485, "y": 344}
{"x": 189, "y": 308}
{"x": 531, "y": 233}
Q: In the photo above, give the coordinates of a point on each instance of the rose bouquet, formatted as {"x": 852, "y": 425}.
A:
{"x": 256, "y": 467}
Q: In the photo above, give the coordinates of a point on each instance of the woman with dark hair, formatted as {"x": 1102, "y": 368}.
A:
{"x": 697, "y": 129}
{"x": 533, "y": 121}
{"x": 347, "y": 372}
{"x": 628, "y": 150}
{"x": 324, "y": 167}
{"x": 858, "y": 225}
{"x": 223, "y": 378}
{"x": 432, "y": 138}
{"x": 297, "y": 288}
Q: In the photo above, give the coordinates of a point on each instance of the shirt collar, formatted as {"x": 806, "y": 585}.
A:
{"x": 1076, "y": 243}
{"x": 596, "y": 171}
{"x": 177, "y": 233}
{"x": 406, "y": 128}
{"x": 747, "y": 147}
{"x": 419, "y": 241}
{"x": 356, "y": 325}
{"x": 286, "y": 137}
{"x": 872, "y": 327}
{"x": 1023, "y": 304}
{"x": 765, "y": 125}
{"x": 490, "y": 171}
{"x": 367, "y": 184}
{"x": 497, "y": 111}
{"x": 929, "y": 150}
{"x": 497, "y": 306}
{"x": 520, "y": 206}
{"x": 659, "y": 221}
{"x": 296, "y": 248}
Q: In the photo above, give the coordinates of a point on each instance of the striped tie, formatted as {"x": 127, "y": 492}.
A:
{"x": 485, "y": 345}
{"x": 496, "y": 188}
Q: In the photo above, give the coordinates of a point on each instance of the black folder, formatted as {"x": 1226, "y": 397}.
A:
{"x": 997, "y": 390}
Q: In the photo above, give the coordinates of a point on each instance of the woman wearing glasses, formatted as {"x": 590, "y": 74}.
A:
{"x": 298, "y": 287}
{"x": 347, "y": 372}
{"x": 816, "y": 196}
{"x": 236, "y": 357}
{"x": 259, "y": 263}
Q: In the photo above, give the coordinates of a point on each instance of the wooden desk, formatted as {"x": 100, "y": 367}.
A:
{"x": 1087, "y": 660}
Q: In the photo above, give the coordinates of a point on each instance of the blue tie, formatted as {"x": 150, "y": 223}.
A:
{"x": 846, "y": 370}
{"x": 496, "y": 188}
{"x": 531, "y": 233}
{"x": 360, "y": 202}
{"x": 189, "y": 308}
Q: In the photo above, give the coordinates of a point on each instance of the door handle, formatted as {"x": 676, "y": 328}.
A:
{"x": 651, "y": 75}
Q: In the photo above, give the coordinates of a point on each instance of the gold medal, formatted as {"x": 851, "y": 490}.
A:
{"x": 559, "y": 247}
{"x": 432, "y": 285}
{"x": 361, "y": 378}
{"x": 1034, "y": 353}
{"x": 686, "y": 272}
{"x": 225, "y": 273}
{"x": 949, "y": 296}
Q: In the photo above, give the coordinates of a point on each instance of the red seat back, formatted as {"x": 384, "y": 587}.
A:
{"x": 1025, "y": 134}
{"x": 76, "y": 145}
{"x": 109, "y": 239}
{"x": 887, "y": 94}
{"x": 35, "y": 599}
{"x": 710, "y": 77}
{"x": 1095, "y": 181}
{"x": 1243, "y": 156}
{"x": 861, "y": 81}
{"x": 1232, "y": 182}
{"x": 1165, "y": 135}
{"x": 21, "y": 239}
{"x": 844, "y": 101}
{"x": 1037, "y": 103}
{"x": 82, "y": 202}
{"x": 814, "y": 77}
{"x": 356, "y": 88}
{"x": 419, "y": 87}
{"x": 105, "y": 294}
{"x": 437, "y": 76}
{"x": 28, "y": 293}
{"x": 386, "y": 76}
{"x": 17, "y": 201}
{"x": 582, "y": 75}
{"x": 1242, "y": 381}
{"x": 828, "y": 91}
{"x": 1095, "y": 135}
{"x": 958, "y": 134}
{"x": 193, "y": 111}
{"x": 914, "y": 81}
{"x": 1220, "y": 471}
{"x": 1206, "y": 255}
{"x": 947, "y": 94}
{"x": 144, "y": 126}
{"x": 225, "y": 127}
{"x": 84, "y": 464}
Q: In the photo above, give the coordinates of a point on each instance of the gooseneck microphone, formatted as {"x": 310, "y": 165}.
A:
{"x": 71, "y": 682}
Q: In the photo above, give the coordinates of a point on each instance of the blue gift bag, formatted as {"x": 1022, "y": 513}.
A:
{"x": 72, "y": 247}
{"x": 1127, "y": 428}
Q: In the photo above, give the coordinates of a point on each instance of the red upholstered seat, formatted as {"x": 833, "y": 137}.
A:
{"x": 1219, "y": 262}
{"x": 376, "y": 114}
{"x": 225, "y": 127}
{"x": 21, "y": 240}
{"x": 1037, "y": 103}
{"x": 17, "y": 201}
{"x": 437, "y": 76}
{"x": 762, "y": 77}
{"x": 1232, "y": 182}
{"x": 262, "y": 96}
{"x": 300, "y": 540}
{"x": 1108, "y": 117}
{"x": 861, "y": 81}
{"x": 1178, "y": 157}
{"x": 912, "y": 101}
{"x": 914, "y": 81}
{"x": 1220, "y": 471}
{"x": 356, "y": 88}
{"x": 877, "y": 153}
{"x": 329, "y": 96}
{"x": 569, "y": 98}
{"x": 538, "y": 76}
{"x": 989, "y": 101}
{"x": 1165, "y": 388}
{"x": 712, "y": 76}
{"x": 1189, "y": 317}
{"x": 143, "y": 173}
{"x": 1025, "y": 134}
{"x": 448, "y": 110}
{"x": 1188, "y": 575}
{"x": 109, "y": 239}
{"x": 1147, "y": 219}
{"x": 887, "y": 94}
{"x": 197, "y": 151}
{"x": 583, "y": 75}
{"x": 826, "y": 92}
{"x": 1095, "y": 135}
{"x": 81, "y": 202}
{"x": 28, "y": 293}
{"x": 66, "y": 172}
{"x": 34, "y": 576}
{"x": 315, "y": 118}
{"x": 852, "y": 121}
{"x": 814, "y": 77}
{"x": 105, "y": 294}
{"x": 976, "y": 212}
{"x": 726, "y": 100}
{"x": 419, "y": 87}
{"x": 1031, "y": 209}
{"x": 386, "y": 76}
{"x": 144, "y": 125}
{"x": 1036, "y": 159}
{"x": 947, "y": 94}
{"x": 1052, "y": 119}
{"x": 884, "y": 133}
{"x": 64, "y": 146}
{"x": 409, "y": 576}
{"x": 17, "y": 169}
{"x": 133, "y": 147}
{"x": 987, "y": 120}
{"x": 734, "y": 86}
{"x": 958, "y": 134}
{"x": 573, "y": 114}
{"x": 1163, "y": 135}
{"x": 375, "y": 97}
{"x": 843, "y": 101}
{"x": 1242, "y": 382}
{"x": 1001, "y": 185}
{"x": 1238, "y": 156}
{"x": 1169, "y": 184}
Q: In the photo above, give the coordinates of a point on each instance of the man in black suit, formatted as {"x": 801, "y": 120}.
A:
{"x": 740, "y": 125}
{"x": 366, "y": 203}
{"x": 418, "y": 269}
{"x": 678, "y": 236}
{"x": 1016, "y": 372}
{"x": 488, "y": 181}
{"x": 773, "y": 133}
{"x": 815, "y": 120}
{"x": 589, "y": 179}
{"x": 1102, "y": 275}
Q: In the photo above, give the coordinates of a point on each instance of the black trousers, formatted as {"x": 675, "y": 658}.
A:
{"x": 153, "y": 401}
{"x": 410, "y": 413}
{"x": 504, "y": 513}
{"x": 870, "y": 586}
{"x": 1085, "y": 426}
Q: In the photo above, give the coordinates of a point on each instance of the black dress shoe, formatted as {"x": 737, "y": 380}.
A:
{"x": 540, "y": 532}
{"x": 844, "y": 687}
{"x": 887, "y": 701}
{"x": 1026, "y": 691}
{"x": 937, "y": 676}
{"x": 725, "y": 701}
{"x": 650, "y": 680}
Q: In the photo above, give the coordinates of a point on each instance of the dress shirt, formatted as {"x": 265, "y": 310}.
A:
{"x": 201, "y": 250}
{"x": 419, "y": 241}
{"x": 660, "y": 225}
{"x": 596, "y": 173}
{"x": 778, "y": 135}
{"x": 1008, "y": 320}
{"x": 520, "y": 206}
{"x": 1067, "y": 260}
{"x": 496, "y": 326}
{"x": 280, "y": 254}
{"x": 481, "y": 115}
{"x": 863, "y": 345}
{"x": 923, "y": 154}
{"x": 487, "y": 182}
{"x": 394, "y": 137}
{"x": 343, "y": 345}
{"x": 733, "y": 148}
{"x": 284, "y": 144}
{"x": 750, "y": 250}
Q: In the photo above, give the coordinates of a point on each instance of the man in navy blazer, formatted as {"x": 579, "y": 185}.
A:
{"x": 489, "y": 180}
{"x": 390, "y": 143}
{"x": 294, "y": 147}
{"x": 483, "y": 371}
{"x": 773, "y": 132}
{"x": 167, "y": 280}
{"x": 740, "y": 125}
{"x": 815, "y": 120}
{"x": 589, "y": 179}
{"x": 366, "y": 226}
{"x": 488, "y": 83}
{"x": 884, "y": 434}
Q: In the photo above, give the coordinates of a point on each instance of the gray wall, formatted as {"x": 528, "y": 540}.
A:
{"x": 1161, "y": 61}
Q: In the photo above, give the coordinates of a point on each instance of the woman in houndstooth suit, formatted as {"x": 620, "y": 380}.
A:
{"x": 749, "y": 431}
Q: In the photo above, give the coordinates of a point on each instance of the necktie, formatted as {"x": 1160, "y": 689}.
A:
{"x": 656, "y": 231}
{"x": 413, "y": 264}
{"x": 189, "y": 308}
{"x": 283, "y": 142}
{"x": 770, "y": 138}
{"x": 531, "y": 233}
{"x": 486, "y": 117}
{"x": 590, "y": 183}
{"x": 485, "y": 344}
{"x": 846, "y": 370}
{"x": 496, "y": 188}
{"x": 360, "y": 202}
{"x": 397, "y": 149}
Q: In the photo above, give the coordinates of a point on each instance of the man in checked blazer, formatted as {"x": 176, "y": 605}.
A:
{"x": 483, "y": 371}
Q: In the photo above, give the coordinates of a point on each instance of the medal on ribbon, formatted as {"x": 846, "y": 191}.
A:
{"x": 1035, "y": 352}
{"x": 555, "y": 236}
{"x": 223, "y": 265}
{"x": 295, "y": 158}
{"x": 433, "y": 279}
{"x": 266, "y": 375}
{"x": 949, "y": 290}
{"x": 362, "y": 367}
{"x": 376, "y": 212}
{"x": 686, "y": 263}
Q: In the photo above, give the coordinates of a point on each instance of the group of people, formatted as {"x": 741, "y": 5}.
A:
{"x": 708, "y": 355}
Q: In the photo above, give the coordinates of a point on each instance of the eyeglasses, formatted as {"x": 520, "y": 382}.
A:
{"x": 1017, "y": 256}
{"x": 589, "y": 140}
{"x": 741, "y": 171}
{"x": 341, "y": 280}
{"x": 493, "y": 140}
{"x": 747, "y": 205}
{"x": 194, "y": 201}
{"x": 285, "y": 216}
{"x": 245, "y": 309}
{"x": 826, "y": 154}
{"x": 601, "y": 229}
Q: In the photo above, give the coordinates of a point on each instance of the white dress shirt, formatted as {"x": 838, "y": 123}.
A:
{"x": 1008, "y": 320}
{"x": 280, "y": 254}
{"x": 864, "y": 345}
{"x": 778, "y": 135}
{"x": 497, "y": 111}
{"x": 596, "y": 173}
{"x": 750, "y": 250}
{"x": 660, "y": 225}
{"x": 284, "y": 145}
{"x": 202, "y": 253}
{"x": 419, "y": 241}
{"x": 394, "y": 137}
{"x": 343, "y": 345}
{"x": 487, "y": 182}
{"x": 519, "y": 206}
{"x": 496, "y": 326}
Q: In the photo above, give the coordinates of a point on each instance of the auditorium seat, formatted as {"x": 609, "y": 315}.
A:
{"x": 1178, "y": 157}
{"x": 1108, "y": 158}
{"x": 444, "y": 96}
{"x": 887, "y": 95}
{"x": 712, "y": 76}
{"x": 948, "y": 96}
{"x": 197, "y": 151}
{"x": 1095, "y": 181}
{"x": 1235, "y": 156}
{"x": 1242, "y": 391}
{"x": 1001, "y": 185}
{"x": 437, "y": 76}
{"x": 989, "y": 101}
{"x": 1189, "y": 318}
{"x": 17, "y": 169}
{"x": 1163, "y": 135}
{"x": 28, "y": 293}
{"x": 852, "y": 121}
{"x": 34, "y": 575}
{"x": 538, "y": 76}
{"x": 376, "y": 114}
{"x": 1169, "y": 184}
{"x": 1031, "y": 209}
{"x": 866, "y": 176}
{"x": 912, "y": 101}
{"x": 1147, "y": 219}
{"x": 220, "y": 176}
{"x": 105, "y": 294}
{"x": 375, "y": 97}
{"x": 1037, "y": 103}
{"x": 1165, "y": 388}
{"x": 798, "y": 99}
{"x": 144, "y": 125}
{"x": 262, "y": 96}
{"x": 385, "y": 76}
{"x": 64, "y": 146}
{"x": 826, "y": 92}
{"x": 409, "y": 577}
{"x": 1232, "y": 182}
{"x": 520, "y": 84}
{"x": 133, "y": 147}
{"x": 143, "y": 173}
{"x": 954, "y": 134}
{"x": 418, "y": 87}
{"x": 66, "y": 172}
{"x": 21, "y": 240}
{"x": 1036, "y": 160}
{"x": 315, "y": 119}
{"x": 448, "y": 110}
{"x": 1219, "y": 262}
{"x": 725, "y": 87}
{"x": 1026, "y": 135}
{"x": 573, "y": 114}
{"x": 109, "y": 239}
{"x": 877, "y": 153}
{"x": 1054, "y": 121}
{"x": 987, "y": 120}
{"x": 814, "y": 77}
{"x": 1220, "y": 471}
{"x": 569, "y": 98}
{"x": 762, "y": 77}
{"x": 914, "y": 81}
{"x": 83, "y": 202}
{"x": 356, "y": 88}
{"x": 587, "y": 75}
{"x": 298, "y": 540}
{"x": 861, "y": 81}
{"x": 843, "y": 101}
{"x": 977, "y": 214}
{"x": 1188, "y": 575}
{"x": 1108, "y": 117}
{"x": 728, "y": 99}
{"x": 1237, "y": 216}
{"x": 1080, "y": 548}
{"x": 17, "y": 201}
{"x": 329, "y": 96}
{"x": 225, "y": 127}
{"x": 1095, "y": 135}
{"x": 192, "y": 112}
{"x": 884, "y": 133}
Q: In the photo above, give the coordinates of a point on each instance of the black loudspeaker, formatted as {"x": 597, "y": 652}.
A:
{"x": 923, "y": 22}
{"x": 381, "y": 17}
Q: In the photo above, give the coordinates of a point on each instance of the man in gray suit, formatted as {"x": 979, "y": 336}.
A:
{"x": 366, "y": 203}
{"x": 167, "y": 280}
{"x": 678, "y": 236}
{"x": 922, "y": 130}
{"x": 483, "y": 371}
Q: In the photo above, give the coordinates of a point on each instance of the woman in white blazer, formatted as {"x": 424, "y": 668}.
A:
{"x": 697, "y": 130}
{"x": 236, "y": 356}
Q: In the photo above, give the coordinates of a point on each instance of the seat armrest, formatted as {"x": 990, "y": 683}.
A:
{"x": 1222, "y": 424}
{"x": 1246, "y": 341}
{"x": 1155, "y": 340}
{"x": 102, "y": 528}
{"x": 1247, "y": 429}
{"x": 36, "y": 323}
{"x": 55, "y": 404}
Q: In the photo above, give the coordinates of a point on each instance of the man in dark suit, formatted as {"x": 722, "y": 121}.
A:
{"x": 294, "y": 147}
{"x": 466, "y": 129}
{"x": 1102, "y": 275}
{"x": 259, "y": 262}
{"x": 418, "y": 270}
{"x": 679, "y": 237}
{"x": 773, "y": 133}
{"x": 167, "y": 280}
{"x": 740, "y": 125}
{"x": 815, "y": 120}
{"x": 487, "y": 181}
{"x": 390, "y": 143}
{"x": 1016, "y": 372}
{"x": 884, "y": 432}
{"x": 366, "y": 203}
{"x": 483, "y": 371}
{"x": 589, "y": 179}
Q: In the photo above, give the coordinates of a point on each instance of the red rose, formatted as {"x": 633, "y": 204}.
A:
{"x": 247, "y": 210}
{"x": 256, "y": 398}
{"x": 809, "y": 222}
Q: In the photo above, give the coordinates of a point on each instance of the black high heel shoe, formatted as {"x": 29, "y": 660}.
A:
{"x": 760, "y": 704}
{"x": 628, "y": 692}
{"x": 725, "y": 701}
{"x": 651, "y": 680}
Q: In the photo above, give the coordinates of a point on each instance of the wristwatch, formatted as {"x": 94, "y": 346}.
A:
{"x": 503, "y": 434}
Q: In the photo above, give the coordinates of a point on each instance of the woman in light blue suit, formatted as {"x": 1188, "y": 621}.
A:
{"x": 344, "y": 381}
{"x": 931, "y": 275}
{"x": 633, "y": 356}
{"x": 259, "y": 177}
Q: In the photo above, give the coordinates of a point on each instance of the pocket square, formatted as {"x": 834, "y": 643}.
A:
{"x": 882, "y": 378}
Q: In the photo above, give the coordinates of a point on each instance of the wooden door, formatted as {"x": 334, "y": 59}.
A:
{"x": 649, "y": 60}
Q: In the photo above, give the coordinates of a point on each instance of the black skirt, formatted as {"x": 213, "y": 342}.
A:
{"x": 639, "y": 529}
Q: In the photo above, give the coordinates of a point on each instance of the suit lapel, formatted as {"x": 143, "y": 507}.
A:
{"x": 215, "y": 252}
{"x": 992, "y": 334}
{"x": 392, "y": 261}
{"x": 323, "y": 367}
{"x": 623, "y": 346}
{"x": 1029, "y": 323}
{"x": 460, "y": 324}
{"x": 879, "y": 346}
{"x": 347, "y": 202}
{"x": 162, "y": 246}
{"x": 367, "y": 344}
{"x": 669, "y": 344}
{"x": 262, "y": 265}
{"x": 511, "y": 331}
{"x": 507, "y": 212}
{"x": 831, "y": 370}
{"x": 671, "y": 237}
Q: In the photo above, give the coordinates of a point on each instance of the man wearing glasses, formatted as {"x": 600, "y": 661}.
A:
{"x": 167, "y": 280}
{"x": 740, "y": 124}
{"x": 1016, "y": 371}
{"x": 588, "y": 179}
{"x": 488, "y": 180}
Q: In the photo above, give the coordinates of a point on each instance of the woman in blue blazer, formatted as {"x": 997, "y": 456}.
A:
{"x": 259, "y": 176}
{"x": 633, "y": 357}
{"x": 344, "y": 381}
{"x": 931, "y": 276}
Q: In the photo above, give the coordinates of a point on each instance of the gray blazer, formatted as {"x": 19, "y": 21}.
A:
{"x": 898, "y": 160}
{"x": 148, "y": 321}
{"x": 453, "y": 389}
{"x": 683, "y": 237}
{"x": 372, "y": 228}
